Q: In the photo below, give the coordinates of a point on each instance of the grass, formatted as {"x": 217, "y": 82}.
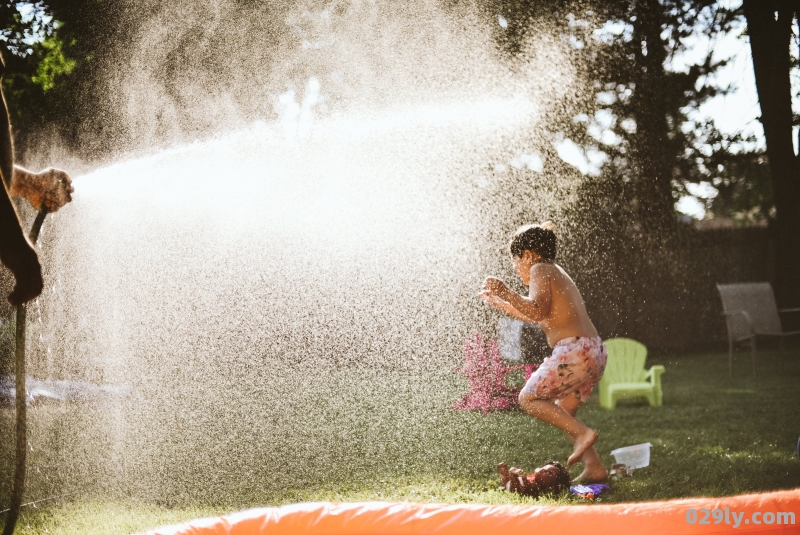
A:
{"x": 393, "y": 438}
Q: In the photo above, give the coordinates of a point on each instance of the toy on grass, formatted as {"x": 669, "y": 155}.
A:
{"x": 619, "y": 470}
{"x": 487, "y": 377}
{"x": 589, "y": 492}
{"x": 551, "y": 478}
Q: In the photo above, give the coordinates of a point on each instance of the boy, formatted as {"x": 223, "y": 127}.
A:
{"x": 565, "y": 380}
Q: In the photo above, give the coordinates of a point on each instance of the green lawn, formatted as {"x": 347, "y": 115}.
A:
{"x": 375, "y": 435}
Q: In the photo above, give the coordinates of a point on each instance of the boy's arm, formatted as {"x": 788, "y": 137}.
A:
{"x": 536, "y": 307}
{"x": 505, "y": 306}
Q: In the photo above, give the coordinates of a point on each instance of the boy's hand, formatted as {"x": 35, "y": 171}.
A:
{"x": 494, "y": 287}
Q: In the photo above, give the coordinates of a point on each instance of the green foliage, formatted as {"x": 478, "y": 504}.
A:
{"x": 52, "y": 64}
{"x": 38, "y": 66}
{"x": 52, "y": 50}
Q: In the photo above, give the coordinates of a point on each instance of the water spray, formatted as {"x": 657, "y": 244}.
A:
{"x": 21, "y": 401}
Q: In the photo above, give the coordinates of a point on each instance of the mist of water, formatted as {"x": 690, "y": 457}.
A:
{"x": 289, "y": 292}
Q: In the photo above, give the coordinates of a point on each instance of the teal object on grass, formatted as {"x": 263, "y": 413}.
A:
{"x": 625, "y": 376}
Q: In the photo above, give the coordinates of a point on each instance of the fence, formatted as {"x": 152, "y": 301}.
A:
{"x": 668, "y": 299}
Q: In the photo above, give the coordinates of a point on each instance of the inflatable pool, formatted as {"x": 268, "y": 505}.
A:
{"x": 772, "y": 513}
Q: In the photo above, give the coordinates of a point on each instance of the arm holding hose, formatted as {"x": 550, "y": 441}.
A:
{"x": 50, "y": 189}
{"x": 16, "y": 251}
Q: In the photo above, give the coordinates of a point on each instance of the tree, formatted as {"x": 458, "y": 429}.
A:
{"x": 633, "y": 110}
{"x": 35, "y": 62}
{"x": 58, "y": 54}
{"x": 771, "y": 25}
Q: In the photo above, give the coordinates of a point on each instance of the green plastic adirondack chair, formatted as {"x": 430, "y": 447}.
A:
{"x": 625, "y": 376}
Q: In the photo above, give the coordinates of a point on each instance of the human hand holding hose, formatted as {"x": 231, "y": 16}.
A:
{"x": 51, "y": 188}
{"x": 47, "y": 191}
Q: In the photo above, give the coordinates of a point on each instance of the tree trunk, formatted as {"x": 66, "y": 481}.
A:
{"x": 651, "y": 153}
{"x": 769, "y": 40}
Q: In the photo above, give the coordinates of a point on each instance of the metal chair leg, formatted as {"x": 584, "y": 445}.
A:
{"x": 730, "y": 355}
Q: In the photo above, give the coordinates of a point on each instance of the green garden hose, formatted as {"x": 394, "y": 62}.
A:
{"x": 22, "y": 397}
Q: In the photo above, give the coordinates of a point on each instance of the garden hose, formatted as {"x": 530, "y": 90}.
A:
{"x": 21, "y": 401}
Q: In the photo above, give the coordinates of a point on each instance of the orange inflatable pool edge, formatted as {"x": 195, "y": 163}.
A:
{"x": 773, "y": 512}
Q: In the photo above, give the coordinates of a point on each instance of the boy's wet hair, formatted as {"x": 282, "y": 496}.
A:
{"x": 541, "y": 239}
{"x": 563, "y": 481}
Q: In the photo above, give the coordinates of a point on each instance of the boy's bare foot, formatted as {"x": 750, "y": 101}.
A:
{"x": 582, "y": 443}
{"x": 592, "y": 475}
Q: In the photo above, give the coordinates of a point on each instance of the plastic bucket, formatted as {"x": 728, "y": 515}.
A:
{"x": 637, "y": 456}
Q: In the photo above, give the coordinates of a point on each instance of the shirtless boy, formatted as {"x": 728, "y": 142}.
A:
{"x": 564, "y": 380}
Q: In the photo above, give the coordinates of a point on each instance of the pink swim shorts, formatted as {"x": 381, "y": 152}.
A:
{"x": 576, "y": 365}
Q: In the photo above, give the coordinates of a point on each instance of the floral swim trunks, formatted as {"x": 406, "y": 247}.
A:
{"x": 576, "y": 365}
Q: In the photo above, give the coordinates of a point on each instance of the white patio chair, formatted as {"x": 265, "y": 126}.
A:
{"x": 750, "y": 310}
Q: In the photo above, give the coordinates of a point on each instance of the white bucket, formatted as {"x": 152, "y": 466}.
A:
{"x": 637, "y": 456}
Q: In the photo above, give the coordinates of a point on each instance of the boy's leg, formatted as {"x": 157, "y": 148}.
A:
{"x": 568, "y": 369}
{"x": 582, "y": 437}
{"x": 594, "y": 470}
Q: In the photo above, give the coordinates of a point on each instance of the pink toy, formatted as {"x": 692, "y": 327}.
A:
{"x": 487, "y": 377}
